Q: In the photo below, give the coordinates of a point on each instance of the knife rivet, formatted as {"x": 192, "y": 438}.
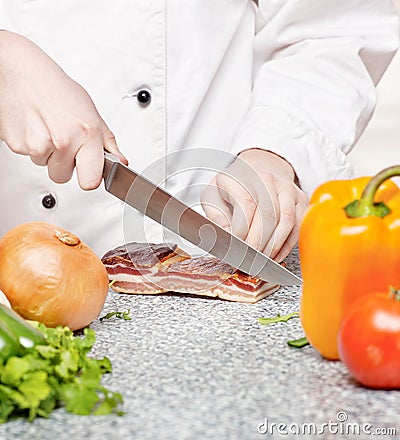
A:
{"x": 49, "y": 201}
{"x": 144, "y": 97}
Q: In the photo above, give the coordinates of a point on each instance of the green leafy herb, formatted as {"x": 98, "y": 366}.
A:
{"x": 56, "y": 373}
{"x": 120, "y": 315}
{"x": 298, "y": 343}
{"x": 279, "y": 318}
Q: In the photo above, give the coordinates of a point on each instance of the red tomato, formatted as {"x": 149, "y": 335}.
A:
{"x": 369, "y": 341}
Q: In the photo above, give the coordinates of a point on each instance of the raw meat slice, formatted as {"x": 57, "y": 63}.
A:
{"x": 148, "y": 268}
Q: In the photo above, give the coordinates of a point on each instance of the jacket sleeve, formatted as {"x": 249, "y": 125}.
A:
{"x": 316, "y": 65}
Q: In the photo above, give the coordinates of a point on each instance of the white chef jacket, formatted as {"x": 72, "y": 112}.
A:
{"x": 295, "y": 77}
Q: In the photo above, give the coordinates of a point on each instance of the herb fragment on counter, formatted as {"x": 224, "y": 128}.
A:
{"x": 56, "y": 373}
{"x": 298, "y": 343}
{"x": 279, "y": 318}
{"x": 120, "y": 315}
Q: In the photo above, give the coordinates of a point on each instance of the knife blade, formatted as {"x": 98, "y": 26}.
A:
{"x": 156, "y": 203}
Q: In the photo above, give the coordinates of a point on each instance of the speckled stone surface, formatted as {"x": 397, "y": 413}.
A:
{"x": 199, "y": 368}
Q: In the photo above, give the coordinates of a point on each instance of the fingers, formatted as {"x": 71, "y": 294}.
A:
{"x": 292, "y": 238}
{"x": 62, "y": 145}
{"x": 264, "y": 210}
{"x": 84, "y": 150}
{"x": 62, "y": 156}
{"x": 30, "y": 139}
{"x": 243, "y": 204}
{"x": 60, "y": 166}
{"x": 41, "y": 154}
{"x": 89, "y": 162}
{"x": 38, "y": 144}
{"x": 266, "y": 215}
{"x": 89, "y": 159}
{"x": 292, "y": 206}
{"x": 215, "y": 205}
{"x": 233, "y": 204}
{"x": 61, "y": 161}
{"x": 286, "y": 219}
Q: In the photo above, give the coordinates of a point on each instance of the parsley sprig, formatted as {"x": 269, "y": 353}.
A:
{"x": 117, "y": 314}
{"x": 56, "y": 374}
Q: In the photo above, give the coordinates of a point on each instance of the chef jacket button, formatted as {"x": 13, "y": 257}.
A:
{"x": 144, "y": 97}
{"x": 49, "y": 201}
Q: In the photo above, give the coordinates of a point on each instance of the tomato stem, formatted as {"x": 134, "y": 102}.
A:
{"x": 365, "y": 206}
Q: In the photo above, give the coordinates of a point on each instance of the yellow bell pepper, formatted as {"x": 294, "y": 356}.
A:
{"x": 349, "y": 246}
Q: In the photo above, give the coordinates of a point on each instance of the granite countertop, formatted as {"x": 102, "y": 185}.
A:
{"x": 199, "y": 368}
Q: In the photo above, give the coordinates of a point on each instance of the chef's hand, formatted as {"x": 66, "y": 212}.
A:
{"x": 46, "y": 115}
{"x": 256, "y": 198}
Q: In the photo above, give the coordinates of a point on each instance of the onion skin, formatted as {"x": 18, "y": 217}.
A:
{"x": 49, "y": 275}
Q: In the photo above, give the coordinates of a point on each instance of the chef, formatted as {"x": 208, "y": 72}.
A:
{"x": 261, "y": 99}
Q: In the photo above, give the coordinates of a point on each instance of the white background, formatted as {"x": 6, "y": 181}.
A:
{"x": 379, "y": 146}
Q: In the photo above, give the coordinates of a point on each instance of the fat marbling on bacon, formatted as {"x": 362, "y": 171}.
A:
{"x": 148, "y": 268}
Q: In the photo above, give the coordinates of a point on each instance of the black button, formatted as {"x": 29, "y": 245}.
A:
{"x": 144, "y": 97}
{"x": 49, "y": 201}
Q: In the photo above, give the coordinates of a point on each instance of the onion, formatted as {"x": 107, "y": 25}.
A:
{"x": 50, "y": 275}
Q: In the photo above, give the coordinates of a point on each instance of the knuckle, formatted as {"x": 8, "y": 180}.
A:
{"x": 90, "y": 128}
{"x": 268, "y": 178}
{"x": 15, "y": 144}
{"x": 17, "y": 147}
{"x": 38, "y": 150}
{"x": 35, "y": 152}
{"x": 268, "y": 212}
{"x": 289, "y": 217}
{"x": 60, "y": 142}
{"x": 247, "y": 201}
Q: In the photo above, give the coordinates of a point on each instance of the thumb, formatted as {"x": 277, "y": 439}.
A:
{"x": 110, "y": 144}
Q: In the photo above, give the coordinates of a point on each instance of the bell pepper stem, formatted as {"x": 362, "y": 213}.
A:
{"x": 366, "y": 206}
{"x": 394, "y": 293}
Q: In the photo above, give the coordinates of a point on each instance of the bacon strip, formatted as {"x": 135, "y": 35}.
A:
{"x": 147, "y": 268}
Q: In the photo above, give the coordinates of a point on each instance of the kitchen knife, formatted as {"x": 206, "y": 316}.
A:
{"x": 156, "y": 203}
